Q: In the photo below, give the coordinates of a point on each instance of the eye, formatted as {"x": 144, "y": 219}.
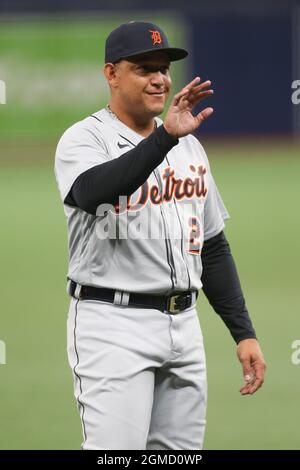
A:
{"x": 143, "y": 69}
{"x": 153, "y": 69}
{"x": 164, "y": 70}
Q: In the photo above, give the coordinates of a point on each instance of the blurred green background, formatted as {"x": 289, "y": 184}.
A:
{"x": 53, "y": 71}
{"x": 53, "y": 76}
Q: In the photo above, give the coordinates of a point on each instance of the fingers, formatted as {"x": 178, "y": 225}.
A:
{"x": 193, "y": 83}
{"x": 249, "y": 375}
{"x": 195, "y": 99}
{"x": 247, "y": 369}
{"x": 249, "y": 381}
{"x": 185, "y": 91}
{"x": 254, "y": 378}
{"x": 190, "y": 89}
{"x": 256, "y": 385}
{"x": 200, "y": 92}
{"x": 253, "y": 386}
{"x": 195, "y": 95}
{"x": 259, "y": 375}
{"x": 201, "y": 87}
{"x": 204, "y": 115}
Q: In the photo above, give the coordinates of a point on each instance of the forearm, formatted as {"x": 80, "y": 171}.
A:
{"x": 222, "y": 287}
{"x": 122, "y": 176}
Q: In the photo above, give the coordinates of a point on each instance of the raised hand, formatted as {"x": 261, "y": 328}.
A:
{"x": 179, "y": 120}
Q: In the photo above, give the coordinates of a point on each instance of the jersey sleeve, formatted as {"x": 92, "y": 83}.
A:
{"x": 78, "y": 150}
{"x": 215, "y": 212}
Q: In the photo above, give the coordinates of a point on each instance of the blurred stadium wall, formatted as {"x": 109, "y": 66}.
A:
{"x": 50, "y": 60}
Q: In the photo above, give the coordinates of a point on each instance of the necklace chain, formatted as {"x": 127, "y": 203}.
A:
{"x": 116, "y": 117}
{"x": 112, "y": 113}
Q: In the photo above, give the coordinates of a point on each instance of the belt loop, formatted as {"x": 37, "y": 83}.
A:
{"x": 194, "y": 297}
{"x": 77, "y": 291}
{"x": 69, "y": 287}
{"x": 125, "y": 299}
{"x": 118, "y": 297}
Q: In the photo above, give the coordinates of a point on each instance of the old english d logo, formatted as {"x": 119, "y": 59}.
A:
{"x": 156, "y": 37}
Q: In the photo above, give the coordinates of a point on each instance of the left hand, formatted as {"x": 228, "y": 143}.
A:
{"x": 253, "y": 363}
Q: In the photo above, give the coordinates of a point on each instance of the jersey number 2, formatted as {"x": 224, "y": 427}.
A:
{"x": 194, "y": 242}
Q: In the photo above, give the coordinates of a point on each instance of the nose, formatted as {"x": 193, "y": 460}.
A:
{"x": 157, "y": 79}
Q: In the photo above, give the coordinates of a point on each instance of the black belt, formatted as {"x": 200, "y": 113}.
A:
{"x": 172, "y": 304}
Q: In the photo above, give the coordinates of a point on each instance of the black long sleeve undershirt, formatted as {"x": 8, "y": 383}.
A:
{"x": 122, "y": 176}
{"x": 222, "y": 287}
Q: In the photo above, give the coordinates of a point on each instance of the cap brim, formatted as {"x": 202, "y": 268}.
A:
{"x": 176, "y": 54}
{"x": 172, "y": 52}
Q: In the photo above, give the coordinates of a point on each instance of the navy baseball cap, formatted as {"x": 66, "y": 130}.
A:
{"x": 136, "y": 37}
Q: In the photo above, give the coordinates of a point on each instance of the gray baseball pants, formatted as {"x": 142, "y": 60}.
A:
{"x": 139, "y": 376}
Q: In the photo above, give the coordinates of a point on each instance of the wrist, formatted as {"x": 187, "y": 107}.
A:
{"x": 250, "y": 338}
{"x": 169, "y": 131}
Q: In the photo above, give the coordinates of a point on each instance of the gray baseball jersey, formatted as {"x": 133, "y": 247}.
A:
{"x": 152, "y": 244}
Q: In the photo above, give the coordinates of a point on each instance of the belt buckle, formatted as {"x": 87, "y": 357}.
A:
{"x": 172, "y": 304}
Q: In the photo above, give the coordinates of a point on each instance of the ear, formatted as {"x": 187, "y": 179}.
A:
{"x": 111, "y": 74}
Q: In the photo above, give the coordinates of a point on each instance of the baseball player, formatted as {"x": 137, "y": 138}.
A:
{"x": 145, "y": 230}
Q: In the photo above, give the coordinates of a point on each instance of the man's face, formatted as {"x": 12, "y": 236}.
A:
{"x": 143, "y": 84}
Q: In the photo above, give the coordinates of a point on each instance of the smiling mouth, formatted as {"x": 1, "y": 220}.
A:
{"x": 157, "y": 94}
